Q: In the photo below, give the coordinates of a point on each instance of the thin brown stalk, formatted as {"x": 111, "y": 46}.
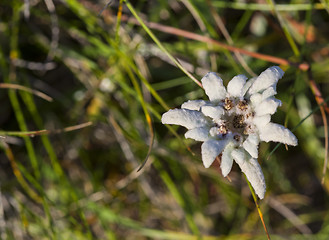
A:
{"x": 318, "y": 96}
{"x": 23, "y": 88}
{"x": 75, "y": 127}
{"x": 323, "y": 108}
{"x": 45, "y": 131}
{"x": 178, "y": 32}
{"x": 325, "y": 164}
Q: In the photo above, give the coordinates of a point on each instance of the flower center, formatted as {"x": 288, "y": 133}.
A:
{"x": 235, "y": 120}
{"x": 238, "y": 121}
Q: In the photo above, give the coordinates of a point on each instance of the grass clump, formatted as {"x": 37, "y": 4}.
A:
{"x": 69, "y": 157}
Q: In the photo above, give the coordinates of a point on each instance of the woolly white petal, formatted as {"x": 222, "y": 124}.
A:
{"x": 194, "y": 104}
{"x": 234, "y": 87}
{"x": 210, "y": 150}
{"x": 247, "y": 85}
{"x": 266, "y": 79}
{"x": 252, "y": 170}
{"x": 277, "y": 133}
{"x": 198, "y": 134}
{"x": 261, "y": 121}
{"x": 267, "y": 106}
{"x": 270, "y": 92}
{"x": 213, "y": 112}
{"x": 184, "y": 117}
{"x": 213, "y": 86}
{"x": 239, "y": 155}
{"x": 256, "y": 177}
{"x": 251, "y": 145}
{"x": 227, "y": 159}
{"x": 255, "y": 99}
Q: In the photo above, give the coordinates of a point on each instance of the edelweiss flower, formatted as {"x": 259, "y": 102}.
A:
{"x": 234, "y": 121}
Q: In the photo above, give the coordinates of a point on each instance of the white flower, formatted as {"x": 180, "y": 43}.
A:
{"x": 234, "y": 121}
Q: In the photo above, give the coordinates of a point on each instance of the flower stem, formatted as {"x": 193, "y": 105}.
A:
{"x": 258, "y": 208}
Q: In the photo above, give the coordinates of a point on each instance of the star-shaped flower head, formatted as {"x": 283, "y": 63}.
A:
{"x": 233, "y": 122}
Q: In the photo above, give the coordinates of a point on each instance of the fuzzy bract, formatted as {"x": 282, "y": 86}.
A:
{"x": 234, "y": 121}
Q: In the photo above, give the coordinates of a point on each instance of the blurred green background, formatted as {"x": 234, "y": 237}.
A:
{"x": 110, "y": 80}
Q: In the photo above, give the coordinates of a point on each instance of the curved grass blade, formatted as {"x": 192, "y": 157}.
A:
{"x": 156, "y": 40}
{"x": 19, "y": 175}
{"x": 23, "y": 88}
{"x": 284, "y": 28}
{"x": 117, "y": 27}
{"x": 146, "y": 113}
{"x": 10, "y": 78}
